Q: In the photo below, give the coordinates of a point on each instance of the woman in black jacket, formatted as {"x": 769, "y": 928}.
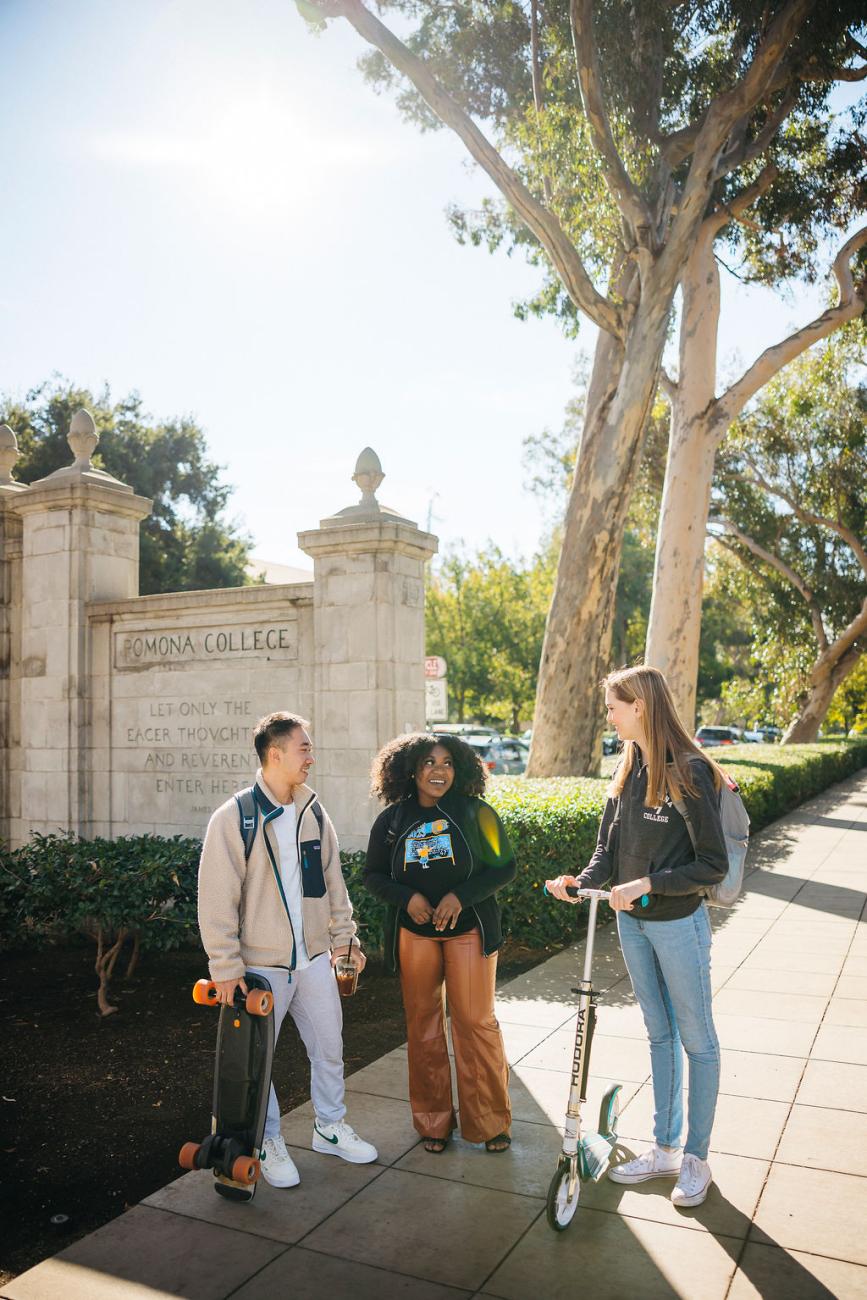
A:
{"x": 437, "y": 855}
{"x": 646, "y": 849}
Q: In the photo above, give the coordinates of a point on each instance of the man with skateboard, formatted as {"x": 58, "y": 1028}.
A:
{"x": 273, "y": 902}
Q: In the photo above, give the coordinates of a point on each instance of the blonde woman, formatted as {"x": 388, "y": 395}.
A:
{"x": 644, "y": 847}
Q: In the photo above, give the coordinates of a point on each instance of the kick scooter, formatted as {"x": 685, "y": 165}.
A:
{"x": 583, "y": 1158}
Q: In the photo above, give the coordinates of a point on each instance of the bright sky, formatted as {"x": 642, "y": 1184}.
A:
{"x": 205, "y": 203}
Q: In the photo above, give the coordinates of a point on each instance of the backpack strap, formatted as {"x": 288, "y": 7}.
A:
{"x": 681, "y": 808}
{"x": 318, "y": 814}
{"x": 248, "y": 818}
{"x": 392, "y": 823}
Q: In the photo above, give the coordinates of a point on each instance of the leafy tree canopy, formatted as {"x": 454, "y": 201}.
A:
{"x": 790, "y": 503}
{"x": 187, "y": 544}
{"x": 661, "y": 64}
{"x": 486, "y": 616}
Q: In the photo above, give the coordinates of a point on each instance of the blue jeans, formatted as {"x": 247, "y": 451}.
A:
{"x": 669, "y": 965}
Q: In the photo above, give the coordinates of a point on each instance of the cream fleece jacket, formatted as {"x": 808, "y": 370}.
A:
{"x": 243, "y": 919}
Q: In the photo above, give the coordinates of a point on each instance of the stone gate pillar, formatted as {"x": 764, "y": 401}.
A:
{"x": 80, "y": 542}
{"x": 10, "y": 635}
{"x": 369, "y": 643}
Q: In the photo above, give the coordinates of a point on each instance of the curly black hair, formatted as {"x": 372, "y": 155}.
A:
{"x": 392, "y": 777}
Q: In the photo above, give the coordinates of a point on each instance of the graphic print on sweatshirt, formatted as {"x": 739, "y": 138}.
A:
{"x": 428, "y": 844}
{"x": 660, "y": 814}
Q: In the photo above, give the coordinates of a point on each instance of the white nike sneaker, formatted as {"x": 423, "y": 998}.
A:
{"x": 278, "y": 1167}
{"x": 341, "y": 1139}
{"x": 655, "y": 1163}
{"x": 693, "y": 1183}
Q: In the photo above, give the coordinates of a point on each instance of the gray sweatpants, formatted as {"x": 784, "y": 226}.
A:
{"x": 312, "y": 1000}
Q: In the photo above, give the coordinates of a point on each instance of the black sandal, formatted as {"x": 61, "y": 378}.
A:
{"x": 436, "y": 1146}
{"x": 500, "y": 1138}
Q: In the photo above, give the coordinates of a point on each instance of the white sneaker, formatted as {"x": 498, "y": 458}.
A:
{"x": 341, "y": 1139}
{"x": 655, "y": 1163}
{"x": 693, "y": 1183}
{"x": 278, "y": 1167}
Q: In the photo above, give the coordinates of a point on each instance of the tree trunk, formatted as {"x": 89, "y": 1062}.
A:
{"x": 674, "y": 627}
{"x": 104, "y": 967}
{"x": 804, "y": 727}
{"x": 132, "y": 964}
{"x": 567, "y": 725}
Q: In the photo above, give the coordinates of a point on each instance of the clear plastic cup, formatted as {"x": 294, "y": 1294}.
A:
{"x": 346, "y": 973}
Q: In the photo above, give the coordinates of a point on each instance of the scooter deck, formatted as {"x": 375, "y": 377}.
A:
{"x": 242, "y": 1080}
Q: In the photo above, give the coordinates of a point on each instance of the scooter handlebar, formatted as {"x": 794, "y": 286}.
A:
{"x": 602, "y": 894}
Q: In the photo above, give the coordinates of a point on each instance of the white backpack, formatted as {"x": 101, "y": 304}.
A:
{"x": 736, "y": 830}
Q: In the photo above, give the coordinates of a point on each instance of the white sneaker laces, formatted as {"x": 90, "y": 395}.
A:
{"x": 275, "y": 1148}
{"x": 693, "y": 1175}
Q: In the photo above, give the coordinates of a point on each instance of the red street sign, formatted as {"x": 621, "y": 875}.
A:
{"x": 434, "y": 666}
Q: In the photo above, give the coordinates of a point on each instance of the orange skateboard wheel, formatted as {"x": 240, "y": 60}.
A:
{"x": 187, "y": 1155}
{"x": 246, "y": 1169}
{"x": 259, "y": 1002}
{"x": 205, "y": 993}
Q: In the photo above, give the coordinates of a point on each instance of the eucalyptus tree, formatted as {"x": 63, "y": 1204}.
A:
{"x": 790, "y": 501}
{"x": 809, "y": 185}
{"x": 609, "y": 128}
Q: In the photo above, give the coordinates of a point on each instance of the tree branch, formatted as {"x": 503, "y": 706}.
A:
{"x": 852, "y": 303}
{"x": 725, "y": 111}
{"x": 760, "y": 80}
{"x": 668, "y": 385}
{"x": 808, "y": 516}
{"x": 628, "y": 198}
{"x": 749, "y": 151}
{"x": 852, "y": 633}
{"x": 786, "y": 571}
{"x": 738, "y": 203}
{"x": 538, "y": 219}
{"x": 538, "y": 101}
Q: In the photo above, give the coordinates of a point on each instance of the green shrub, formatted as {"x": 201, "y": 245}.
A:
{"x": 137, "y": 890}
{"x": 553, "y": 823}
{"x": 143, "y": 888}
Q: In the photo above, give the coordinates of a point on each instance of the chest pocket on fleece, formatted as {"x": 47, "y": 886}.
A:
{"x": 312, "y": 875}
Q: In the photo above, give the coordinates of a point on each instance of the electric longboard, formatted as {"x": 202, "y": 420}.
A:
{"x": 242, "y": 1079}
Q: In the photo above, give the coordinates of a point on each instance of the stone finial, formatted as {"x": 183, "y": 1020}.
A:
{"x": 82, "y": 439}
{"x": 369, "y": 476}
{"x": 8, "y": 453}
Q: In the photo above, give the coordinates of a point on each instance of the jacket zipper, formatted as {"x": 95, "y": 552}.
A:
{"x": 269, "y": 817}
{"x": 474, "y": 910}
{"x": 298, "y": 826}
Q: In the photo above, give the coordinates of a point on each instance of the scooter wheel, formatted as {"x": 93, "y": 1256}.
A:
{"x": 560, "y": 1209}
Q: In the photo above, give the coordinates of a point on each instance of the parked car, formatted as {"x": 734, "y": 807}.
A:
{"x": 501, "y": 755}
{"x": 610, "y": 743}
{"x": 464, "y": 729}
{"x": 711, "y": 737}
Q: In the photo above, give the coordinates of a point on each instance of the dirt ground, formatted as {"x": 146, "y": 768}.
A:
{"x": 93, "y": 1111}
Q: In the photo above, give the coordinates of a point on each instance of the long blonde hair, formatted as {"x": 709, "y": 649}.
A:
{"x": 669, "y": 744}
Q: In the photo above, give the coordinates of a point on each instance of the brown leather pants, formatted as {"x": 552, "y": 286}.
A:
{"x": 456, "y": 968}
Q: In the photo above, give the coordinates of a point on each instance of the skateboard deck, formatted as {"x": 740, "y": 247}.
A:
{"x": 242, "y": 1079}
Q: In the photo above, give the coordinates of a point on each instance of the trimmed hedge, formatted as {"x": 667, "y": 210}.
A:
{"x": 145, "y": 886}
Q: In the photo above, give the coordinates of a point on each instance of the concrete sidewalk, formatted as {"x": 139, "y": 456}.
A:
{"x": 786, "y": 1217}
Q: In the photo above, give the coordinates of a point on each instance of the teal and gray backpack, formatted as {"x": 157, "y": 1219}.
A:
{"x": 736, "y": 830}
